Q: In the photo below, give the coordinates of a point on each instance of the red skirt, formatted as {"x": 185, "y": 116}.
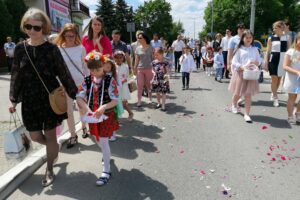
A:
{"x": 105, "y": 128}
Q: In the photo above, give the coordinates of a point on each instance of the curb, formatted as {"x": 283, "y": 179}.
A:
{"x": 13, "y": 178}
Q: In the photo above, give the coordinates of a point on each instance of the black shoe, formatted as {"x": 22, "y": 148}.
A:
{"x": 183, "y": 88}
{"x": 158, "y": 106}
{"x": 72, "y": 141}
{"x": 187, "y": 87}
{"x": 163, "y": 109}
{"x": 215, "y": 79}
{"x": 85, "y": 133}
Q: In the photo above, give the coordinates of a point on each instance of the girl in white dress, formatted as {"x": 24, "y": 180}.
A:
{"x": 291, "y": 65}
{"x": 123, "y": 75}
{"x": 245, "y": 54}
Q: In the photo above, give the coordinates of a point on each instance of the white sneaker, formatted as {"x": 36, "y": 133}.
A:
{"x": 272, "y": 97}
{"x": 247, "y": 119}
{"x": 291, "y": 120}
{"x": 234, "y": 109}
{"x": 297, "y": 116}
{"x": 240, "y": 101}
{"x": 276, "y": 103}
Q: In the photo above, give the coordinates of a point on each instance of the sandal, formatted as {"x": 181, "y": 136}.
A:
{"x": 103, "y": 180}
{"x": 48, "y": 179}
{"x": 72, "y": 141}
{"x": 130, "y": 117}
{"x": 84, "y": 133}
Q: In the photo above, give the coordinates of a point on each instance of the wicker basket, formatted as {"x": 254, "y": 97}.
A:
{"x": 251, "y": 72}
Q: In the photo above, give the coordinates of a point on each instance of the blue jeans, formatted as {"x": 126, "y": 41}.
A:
{"x": 219, "y": 73}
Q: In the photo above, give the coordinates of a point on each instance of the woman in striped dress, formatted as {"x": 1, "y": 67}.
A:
{"x": 277, "y": 45}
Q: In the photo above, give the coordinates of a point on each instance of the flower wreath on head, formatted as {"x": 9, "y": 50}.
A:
{"x": 94, "y": 55}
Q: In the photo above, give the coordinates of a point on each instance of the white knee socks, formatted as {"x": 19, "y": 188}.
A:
{"x": 104, "y": 145}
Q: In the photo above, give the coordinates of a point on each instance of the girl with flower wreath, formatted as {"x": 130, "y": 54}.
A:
{"x": 97, "y": 97}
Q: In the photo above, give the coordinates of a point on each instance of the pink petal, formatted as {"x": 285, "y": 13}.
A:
{"x": 264, "y": 127}
{"x": 283, "y": 158}
{"x": 202, "y": 172}
{"x": 273, "y": 159}
{"x": 269, "y": 154}
{"x": 289, "y": 158}
{"x": 284, "y": 141}
{"x": 182, "y": 151}
{"x": 292, "y": 149}
{"x": 271, "y": 147}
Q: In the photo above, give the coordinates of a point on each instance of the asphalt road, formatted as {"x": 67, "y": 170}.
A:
{"x": 186, "y": 153}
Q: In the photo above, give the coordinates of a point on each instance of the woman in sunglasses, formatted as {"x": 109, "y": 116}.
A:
{"x": 27, "y": 87}
{"x": 69, "y": 43}
{"x": 96, "y": 38}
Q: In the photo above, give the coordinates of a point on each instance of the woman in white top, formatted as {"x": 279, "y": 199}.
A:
{"x": 291, "y": 65}
{"x": 73, "y": 53}
{"x": 245, "y": 54}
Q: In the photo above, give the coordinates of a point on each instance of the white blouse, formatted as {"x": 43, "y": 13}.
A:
{"x": 243, "y": 56}
{"x": 77, "y": 55}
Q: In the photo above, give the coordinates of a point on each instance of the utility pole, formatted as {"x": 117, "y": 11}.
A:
{"x": 252, "y": 19}
{"x": 212, "y": 18}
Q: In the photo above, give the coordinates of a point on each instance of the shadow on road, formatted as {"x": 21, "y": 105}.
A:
{"x": 267, "y": 103}
{"x": 199, "y": 89}
{"x": 130, "y": 139}
{"x": 123, "y": 185}
{"x": 274, "y": 122}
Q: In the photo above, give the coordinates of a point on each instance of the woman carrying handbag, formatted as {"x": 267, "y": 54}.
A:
{"x": 35, "y": 67}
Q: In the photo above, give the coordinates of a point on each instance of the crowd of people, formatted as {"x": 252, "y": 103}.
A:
{"x": 96, "y": 72}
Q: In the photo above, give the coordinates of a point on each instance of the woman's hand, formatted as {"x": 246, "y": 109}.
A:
{"x": 12, "y": 108}
{"x": 100, "y": 111}
{"x": 266, "y": 66}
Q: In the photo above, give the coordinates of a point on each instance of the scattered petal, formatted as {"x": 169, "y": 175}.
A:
{"x": 202, "y": 115}
{"x": 225, "y": 187}
{"x": 271, "y": 147}
{"x": 201, "y": 178}
{"x": 182, "y": 151}
{"x": 202, "y": 172}
{"x": 264, "y": 127}
{"x": 269, "y": 154}
{"x": 284, "y": 141}
{"x": 163, "y": 128}
{"x": 292, "y": 149}
{"x": 273, "y": 159}
{"x": 212, "y": 170}
{"x": 283, "y": 158}
{"x": 208, "y": 187}
{"x": 225, "y": 192}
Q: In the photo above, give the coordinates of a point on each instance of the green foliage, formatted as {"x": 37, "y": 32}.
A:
{"x": 7, "y": 27}
{"x": 16, "y": 8}
{"x": 105, "y": 9}
{"x": 154, "y": 17}
{"x": 228, "y": 13}
{"x": 177, "y": 28}
{"x": 123, "y": 14}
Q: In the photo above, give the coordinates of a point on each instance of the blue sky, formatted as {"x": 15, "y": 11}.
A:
{"x": 187, "y": 11}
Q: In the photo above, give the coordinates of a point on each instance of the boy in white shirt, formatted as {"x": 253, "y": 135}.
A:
{"x": 187, "y": 65}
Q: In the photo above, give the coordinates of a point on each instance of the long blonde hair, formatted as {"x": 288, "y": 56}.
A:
{"x": 60, "y": 40}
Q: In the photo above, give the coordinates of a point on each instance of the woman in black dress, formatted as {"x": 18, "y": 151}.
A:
{"x": 38, "y": 116}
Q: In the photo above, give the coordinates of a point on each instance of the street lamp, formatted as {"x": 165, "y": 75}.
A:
{"x": 252, "y": 19}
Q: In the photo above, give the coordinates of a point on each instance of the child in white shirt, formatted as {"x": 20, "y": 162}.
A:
{"x": 187, "y": 65}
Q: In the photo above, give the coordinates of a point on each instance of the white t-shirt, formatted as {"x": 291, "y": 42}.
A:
{"x": 224, "y": 43}
{"x": 178, "y": 45}
{"x": 77, "y": 55}
{"x": 291, "y": 81}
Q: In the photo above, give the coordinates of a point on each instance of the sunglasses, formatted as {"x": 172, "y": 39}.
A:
{"x": 35, "y": 28}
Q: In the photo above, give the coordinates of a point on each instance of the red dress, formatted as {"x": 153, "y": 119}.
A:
{"x": 108, "y": 126}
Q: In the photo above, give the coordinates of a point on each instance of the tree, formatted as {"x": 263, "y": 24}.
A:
{"x": 7, "y": 27}
{"x": 227, "y": 13}
{"x": 16, "y": 8}
{"x": 121, "y": 14}
{"x": 177, "y": 28}
{"x": 105, "y": 9}
{"x": 154, "y": 17}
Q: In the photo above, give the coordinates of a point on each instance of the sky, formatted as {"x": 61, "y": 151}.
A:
{"x": 189, "y": 12}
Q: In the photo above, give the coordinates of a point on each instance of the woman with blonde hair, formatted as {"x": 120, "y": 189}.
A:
{"x": 36, "y": 65}
{"x": 69, "y": 43}
{"x": 277, "y": 45}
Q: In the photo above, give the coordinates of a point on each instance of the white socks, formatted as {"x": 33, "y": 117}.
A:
{"x": 104, "y": 145}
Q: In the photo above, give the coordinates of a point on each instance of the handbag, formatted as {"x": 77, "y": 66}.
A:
{"x": 251, "y": 73}
{"x": 17, "y": 139}
{"x": 57, "y": 98}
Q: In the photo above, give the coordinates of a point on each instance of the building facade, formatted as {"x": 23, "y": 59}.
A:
{"x": 61, "y": 12}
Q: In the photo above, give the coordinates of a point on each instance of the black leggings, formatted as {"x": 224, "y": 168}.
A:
{"x": 177, "y": 55}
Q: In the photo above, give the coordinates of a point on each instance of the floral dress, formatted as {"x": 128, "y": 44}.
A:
{"x": 110, "y": 92}
{"x": 160, "y": 83}
{"x": 27, "y": 88}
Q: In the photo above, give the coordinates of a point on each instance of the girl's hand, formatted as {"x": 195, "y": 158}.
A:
{"x": 100, "y": 111}
{"x": 266, "y": 66}
{"x": 12, "y": 108}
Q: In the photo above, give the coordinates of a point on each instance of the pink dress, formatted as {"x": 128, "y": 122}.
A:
{"x": 239, "y": 86}
{"x": 104, "y": 42}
